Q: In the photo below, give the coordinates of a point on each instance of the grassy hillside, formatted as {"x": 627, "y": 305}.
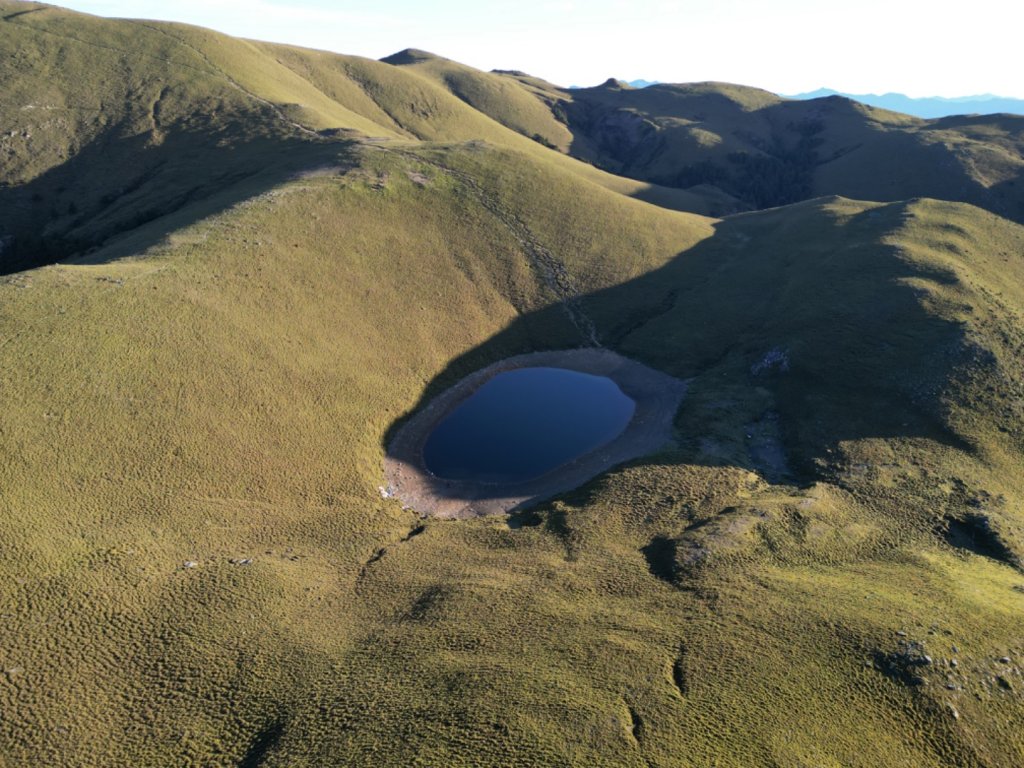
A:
{"x": 824, "y": 568}
{"x": 112, "y": 124}
{"x": 503, "y": 98}
{"x": 625, "y": 623}
{"x": 767, "y": 151}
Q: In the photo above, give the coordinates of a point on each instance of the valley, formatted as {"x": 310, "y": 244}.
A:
{"x": 233, "y": 270}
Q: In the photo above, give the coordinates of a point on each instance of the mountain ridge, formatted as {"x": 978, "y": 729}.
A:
{"x": 265, "y": 259}
{"x": 918, "y": 106}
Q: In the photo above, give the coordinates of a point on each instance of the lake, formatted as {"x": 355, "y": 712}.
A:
{"x": 523, "y": 423}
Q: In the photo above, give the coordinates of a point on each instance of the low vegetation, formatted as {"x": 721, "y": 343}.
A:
{"x": 824, "y": 568}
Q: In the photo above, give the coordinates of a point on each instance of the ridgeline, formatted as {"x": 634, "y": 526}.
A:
{"x": 232, "y": 269}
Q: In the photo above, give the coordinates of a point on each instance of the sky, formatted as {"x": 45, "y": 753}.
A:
{"x": 916, "y": 47}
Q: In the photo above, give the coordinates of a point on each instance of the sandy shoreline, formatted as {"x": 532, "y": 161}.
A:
{"x": 657, "y": 396}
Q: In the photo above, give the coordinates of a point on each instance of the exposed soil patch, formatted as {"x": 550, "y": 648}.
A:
{"x": 657, "y": 396}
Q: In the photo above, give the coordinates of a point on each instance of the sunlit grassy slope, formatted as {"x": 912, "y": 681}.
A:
{"x": 112, "y": 124}
{"x": 198, "y": 566}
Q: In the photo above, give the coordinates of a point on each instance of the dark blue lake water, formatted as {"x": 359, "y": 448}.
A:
{"x": 524, "y": 423}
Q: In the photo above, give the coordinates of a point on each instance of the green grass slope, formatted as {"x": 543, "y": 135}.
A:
{"x": 503, "y": 98}
{"x": 111, "y": 124}
{"x": 224, "y": 396}
{"x": 824, "y": 567}
{"x": 224, "y": 436}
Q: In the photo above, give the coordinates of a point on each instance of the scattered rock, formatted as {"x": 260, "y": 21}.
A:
{"x": 954, "y": 663}
{"x": 953, "y": 711}
{"x": 418, "y": 179}
{"x": 13, "y": 672}
{"x": 1004, "y": 659}
{"x": 904, "y": 665}
{"x": 900, "y": 633}
{"x": 243, "y": 561}
{"x": 775, "y": 358}
{"x": 189, "y": 564}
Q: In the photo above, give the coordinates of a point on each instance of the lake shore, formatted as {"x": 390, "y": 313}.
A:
{"x": 657, "y": 396}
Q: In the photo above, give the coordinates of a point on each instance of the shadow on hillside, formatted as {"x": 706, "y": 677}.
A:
{"x": 780, "y": 152}
{"x": 1008, "y": 199}
{"x": 146, "y": 185}
{"x": 796, "y": 329}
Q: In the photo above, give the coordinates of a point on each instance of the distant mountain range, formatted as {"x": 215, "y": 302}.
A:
{"x": 630, "y": 83}
{"x": 643, "y": 83}
{"x": 933, "y": 106}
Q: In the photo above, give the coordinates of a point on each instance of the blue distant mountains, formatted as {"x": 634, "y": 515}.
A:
{"x": 631, "y": 83}
{"x": 935, "y": 106}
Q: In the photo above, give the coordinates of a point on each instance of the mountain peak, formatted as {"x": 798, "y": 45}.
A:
{"x": 409, "y": 56}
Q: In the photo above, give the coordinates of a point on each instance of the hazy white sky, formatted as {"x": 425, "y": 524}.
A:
{"x": 917, "y": 47}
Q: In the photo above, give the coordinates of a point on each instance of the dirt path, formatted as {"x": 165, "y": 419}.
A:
{"x": 657, "y": 396}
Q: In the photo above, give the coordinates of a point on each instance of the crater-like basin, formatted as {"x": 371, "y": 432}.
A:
{"x": 528, "y": 428}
